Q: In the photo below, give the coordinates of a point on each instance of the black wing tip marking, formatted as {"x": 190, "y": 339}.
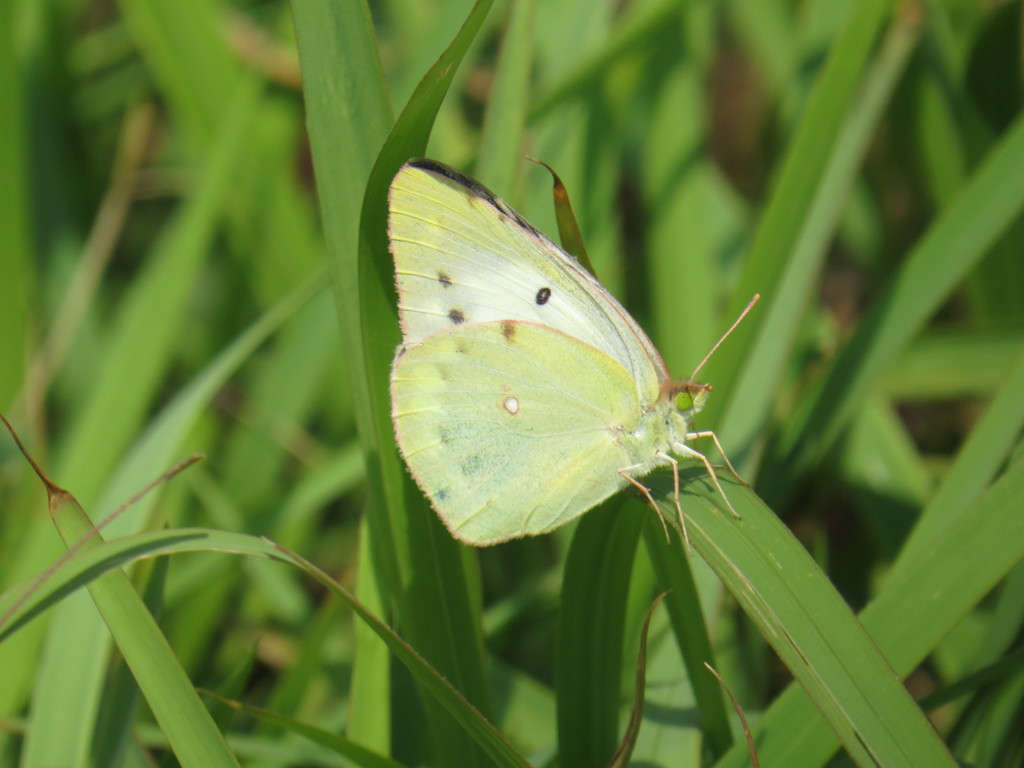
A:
{"x": 475, "y": 188}
{"x": 441, "y": 169}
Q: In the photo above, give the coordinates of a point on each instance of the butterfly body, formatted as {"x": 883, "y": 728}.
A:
{"x": 523, "y": 393}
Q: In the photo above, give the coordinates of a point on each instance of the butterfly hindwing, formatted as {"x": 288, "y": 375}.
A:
{"x": 511, "y": 428}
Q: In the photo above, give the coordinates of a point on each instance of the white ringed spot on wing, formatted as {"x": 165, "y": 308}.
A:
{"x": 511, "y": 405}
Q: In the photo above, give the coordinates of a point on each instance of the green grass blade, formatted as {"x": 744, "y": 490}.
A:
{"x": 190, "y": 57}
{"x": 77, "y": 633}
{"x": 775, "y": 327}
{"x": 991, "y": 200}
{"x": 338, "y": 52}
{"x": 910, "y": 616}
{"x": 120, "y": 701}
{"x": 633, "y": 32}
{"x": 149, "y": 320}
{"x": 22, "y": 603}
{"x": 175, "y": 704}
{"x": 161, "y": 443}
{"x": 807, "y": 622}
{"x": 105, "y": 558}
{"x": 419, "y": 565}
{"x": 15, "y": 278}
{"x": 591, "y": 627}
{"x": 946, "y": 365}
{"x": 353, "y": 751}
{"x": 799, "y": 179}
{"x": 976, "y": 465}
{"x": 502, "y": 140}
{"x": 888, "y": 478}
{"x": 683, "y": 603}
{"x": 697, "y": 221}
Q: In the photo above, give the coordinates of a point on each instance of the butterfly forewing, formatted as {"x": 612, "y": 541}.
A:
{"x": 511, "y": 428}
{"x": 463, "y": 256}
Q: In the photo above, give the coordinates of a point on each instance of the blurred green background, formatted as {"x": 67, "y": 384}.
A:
{"x": 187, "y": 265}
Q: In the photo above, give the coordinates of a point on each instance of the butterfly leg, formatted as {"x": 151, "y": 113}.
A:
{"x": 685, "y": 450}
{"x": 718, "y": 445}
{"x": 650, "y": 500}
{"x": 675, "y": 481}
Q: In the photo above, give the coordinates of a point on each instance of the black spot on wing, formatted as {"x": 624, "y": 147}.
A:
{"x": 508, "y": 330}
{"x": 543, "y": 295}
{"x": 443, "y": 279}
{"x": 456, "y": 315}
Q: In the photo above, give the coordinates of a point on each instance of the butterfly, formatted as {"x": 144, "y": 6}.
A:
{"x": 523, "y": 393}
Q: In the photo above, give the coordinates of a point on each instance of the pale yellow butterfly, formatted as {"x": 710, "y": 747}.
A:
{"x": 523, "y": 393}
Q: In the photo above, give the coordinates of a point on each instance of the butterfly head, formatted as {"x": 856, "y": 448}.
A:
{"x": 688, "y": 396}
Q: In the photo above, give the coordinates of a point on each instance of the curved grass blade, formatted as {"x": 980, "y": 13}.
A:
{"x": 687, "y": 618}
{"x": 625, "y": 750}
{"x": 190, "y": 730}
{"x": 358, "y": 754}
{"x": 589, "y": 654}
{"x": 911, "y": 615}
{"x": 806, "y": 621}
{"x": 107, "y": 557}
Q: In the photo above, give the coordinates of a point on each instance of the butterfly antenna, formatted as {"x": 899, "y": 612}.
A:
{"x": 750, "y": 306}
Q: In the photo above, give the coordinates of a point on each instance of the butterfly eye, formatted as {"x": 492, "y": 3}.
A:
{"x": 692, "y": 397}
